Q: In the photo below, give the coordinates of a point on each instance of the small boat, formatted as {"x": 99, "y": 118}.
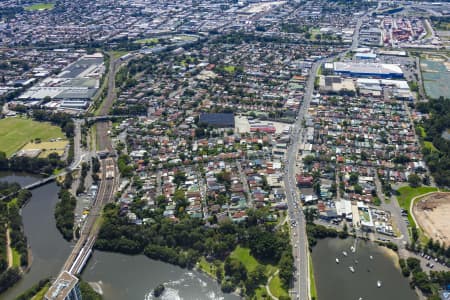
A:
{"x": 351, "y": 269}
{"x": 337, "y": 260}
{"x": 371, "y": 257}
{"x": 378, "y": 283}
{"x": 352, "y": 249}
{"x": 356, "y": 261}
{"x": 344, "y": 252}
{"x": 360, "y": 298}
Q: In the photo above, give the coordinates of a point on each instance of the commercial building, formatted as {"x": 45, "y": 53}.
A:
{"x": 73, "y": 87}
{"x": 64, "y": 288}
{"x": 376, "y": 70}
{"x": 218, "y": 120}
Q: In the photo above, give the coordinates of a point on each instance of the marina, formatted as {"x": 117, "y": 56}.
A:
{"x": 370, "y": 272}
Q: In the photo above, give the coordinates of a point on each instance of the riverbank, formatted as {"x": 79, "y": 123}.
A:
{"x": 392, "y": 255}
{"x": 271, "y": 287}
{"x": 46, "y": 250}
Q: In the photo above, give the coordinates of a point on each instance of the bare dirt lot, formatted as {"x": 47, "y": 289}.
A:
{"x": 432, "y": 214}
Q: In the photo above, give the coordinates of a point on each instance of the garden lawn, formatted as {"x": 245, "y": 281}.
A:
{"x": 16, "y": 132}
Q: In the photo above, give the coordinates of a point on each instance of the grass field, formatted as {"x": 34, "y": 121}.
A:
{"x": 147, "y": 41}
{"x": 275, "y": 287}
{"x": 40, "y": 295}
{"x": 250, "y": 263}
{"x": 314, "y": 32}
{"x": 16, "y": 258}
{"x": 229, "y": 69}
{"x": 16, "y": 132}
{"x": 312, "y": 280}
{"x": 117, "y": 54}
{"x": 430, "y": 146}
{"x": 40, "y": 6}
{"x": 421, "y": 132}
{"x": 208, "y": 268}
{"x": 407, "y": 193}
{"x": 48, "y": 147}
{"x": 244, "y": 256}
{"x": 261, "y": 293}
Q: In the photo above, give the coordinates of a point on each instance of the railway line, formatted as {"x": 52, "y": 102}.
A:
{"x": 83, "y": 248}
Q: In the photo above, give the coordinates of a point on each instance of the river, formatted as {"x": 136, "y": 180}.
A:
{"x": 134, "y": 277}
{"x": 120, "y": 276}
{"x": 336, "y": 281}
{"x": 49, "y": 249}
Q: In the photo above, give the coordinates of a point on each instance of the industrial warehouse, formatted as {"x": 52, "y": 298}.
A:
{"x": 359, "y": 69}
{"x": 72, "y": 88}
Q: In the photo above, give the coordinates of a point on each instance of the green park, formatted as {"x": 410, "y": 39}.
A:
{"x": 16, "y": 132}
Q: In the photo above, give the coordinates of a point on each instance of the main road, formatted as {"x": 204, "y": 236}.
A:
{"x": 301, "y": 284}
{"x": 298, "y": 232}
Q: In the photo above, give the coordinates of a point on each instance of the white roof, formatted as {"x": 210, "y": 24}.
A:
{"x": 369, "y": 68}
{"x": 344, "y": 207}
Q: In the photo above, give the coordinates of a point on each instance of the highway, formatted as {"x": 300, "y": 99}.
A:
{"x": 298, "y": 232}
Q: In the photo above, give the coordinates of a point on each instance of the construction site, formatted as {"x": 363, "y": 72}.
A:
{"x": 431, "y": 213}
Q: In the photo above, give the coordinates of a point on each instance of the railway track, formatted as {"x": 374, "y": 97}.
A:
{"x": 82, "y": 250}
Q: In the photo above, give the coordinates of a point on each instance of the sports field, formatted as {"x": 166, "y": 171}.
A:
{"x": 40, "y": 6}
{"x": 16, "y": 132}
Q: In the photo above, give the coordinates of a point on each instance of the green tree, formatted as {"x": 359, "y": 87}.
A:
{"x": 235, "y": 269}
{"x": 414, "y": 180}
{"x": 286, "y": 267}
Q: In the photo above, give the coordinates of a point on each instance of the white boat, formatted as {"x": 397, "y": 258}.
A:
{"x": 337, "y": 260}
{"x": 371, "y": 257}
{"x": 351, "y": 269}
{"x": 352, "y": 249}
{"x": 344, "y": 252}
{"x": 378, "y": 283}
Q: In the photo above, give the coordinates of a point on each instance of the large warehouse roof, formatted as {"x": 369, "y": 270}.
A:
{"x": 368, "y": 69}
